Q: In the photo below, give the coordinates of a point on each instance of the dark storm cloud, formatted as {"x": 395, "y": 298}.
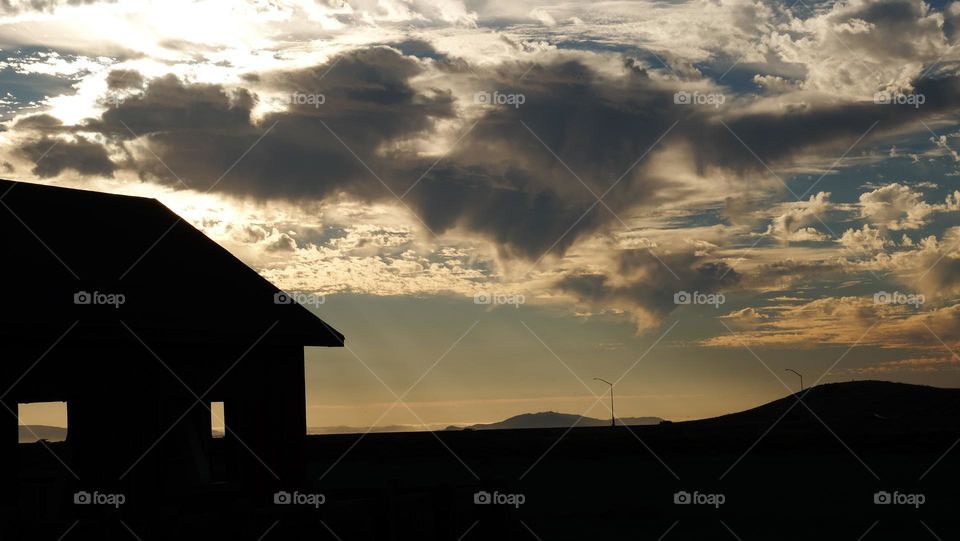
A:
{"x": 53, "y": 156}
{"x": 503, "y": 180}
{"x": 168, "y": 107}
{"x": 358, "y": 110}
{"x": 40, "y": 122}
{"x": 645, "y": 284}
{"x": 200, "y": 131}
{"x": 896, "y": 27}
{"x": 777, "y": 137}
{"x": 121, "y": 79}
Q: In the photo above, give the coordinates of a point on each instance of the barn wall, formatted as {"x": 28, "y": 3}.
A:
{"x": 265, "y": 414}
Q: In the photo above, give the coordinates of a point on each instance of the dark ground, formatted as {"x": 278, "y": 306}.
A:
{"x": 801, "y": 481}
{"x": 602, "y": 483}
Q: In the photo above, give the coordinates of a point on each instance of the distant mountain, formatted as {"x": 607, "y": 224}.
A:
{"x": 343, "y": 429}
{"x": 31, "y": 433}
{"x": 552, "y": 419}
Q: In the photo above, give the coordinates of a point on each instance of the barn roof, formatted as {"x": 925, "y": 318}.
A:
{"x": 62, "y": 247}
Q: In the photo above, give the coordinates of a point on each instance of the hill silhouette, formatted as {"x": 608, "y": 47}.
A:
{"x": 552, "y": 419}
{"x": 860, "y": 406}
{"x": 345, "y": 429}
{"x": 32, "y": 433}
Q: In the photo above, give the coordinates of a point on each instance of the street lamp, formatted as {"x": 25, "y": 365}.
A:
{"x": 799, "y": 374}
{"x": 612, "y": 418}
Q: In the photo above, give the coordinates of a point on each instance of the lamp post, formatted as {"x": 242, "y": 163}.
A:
{"x": 799, "y": 374}
{"x": 613, "y": 421}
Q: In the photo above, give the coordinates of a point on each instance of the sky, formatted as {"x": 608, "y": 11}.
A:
{"x": 498, "y": 201}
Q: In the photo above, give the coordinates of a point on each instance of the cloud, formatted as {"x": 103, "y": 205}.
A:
{"x": 784, "y": 274}
{"x": 643, "y": 284}
{"x": 941, "y": 143}
{"x": 284, "y": 243}
{"x": 11, "y": 7}
{"x": 356, "y": 142}
{"x": 856, "y": 48}
{"x": 929, "y": 266}
{"x": 367, "y": 122}
{"x": 122, "y": 79}
{"x": 953, "y": 201}
{"x": 895, "y": 206}
{"x": 844, "y": 321}
{"x": 936, "y": 265}
{"x": 794, "y": 224}
{"x": 340, "y": 247}
{"x": 376, "y": 101}
{"x": 746, "y": 314}
{"x": 866, "y": 240}
{"x": 774, "y": 84}
{"x": 52, "y": 156}
{"x": 911, "y": 365}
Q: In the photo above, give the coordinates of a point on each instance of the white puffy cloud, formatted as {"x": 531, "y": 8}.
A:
{"x": 858, "y": 47}
{"x": 796, "y": 223}
{"x": 895, "y": 206}
{"x": 866, "y": 240}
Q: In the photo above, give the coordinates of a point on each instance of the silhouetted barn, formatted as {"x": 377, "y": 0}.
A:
{"x": 195, "y": 325}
